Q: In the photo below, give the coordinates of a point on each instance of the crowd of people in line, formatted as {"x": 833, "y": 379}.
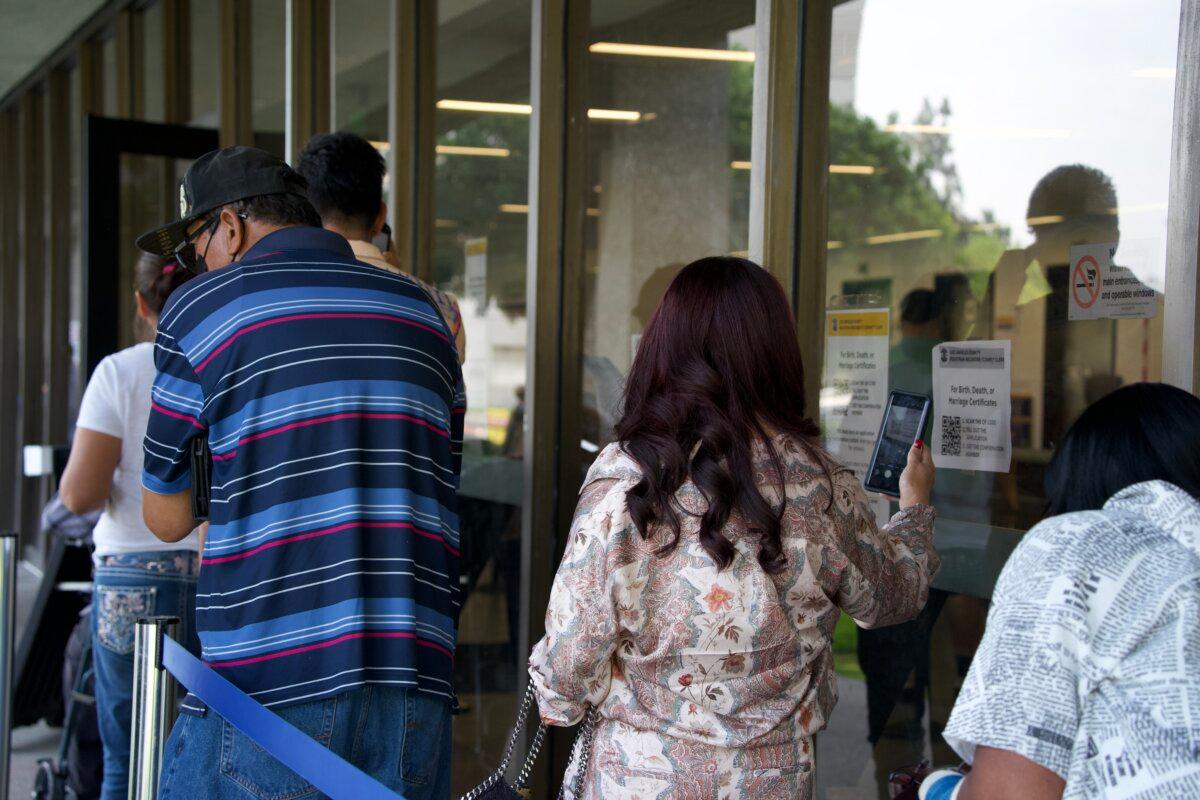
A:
{"x": 714, "y": 546}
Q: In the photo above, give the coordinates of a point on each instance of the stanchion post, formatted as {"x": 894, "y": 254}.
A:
{"x": 153, "y": 705}
{"x": 8, "y": 633}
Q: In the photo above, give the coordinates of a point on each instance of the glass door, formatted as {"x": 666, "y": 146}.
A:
{"x": 991, "y": 167}
{"x": 131, "y": 184}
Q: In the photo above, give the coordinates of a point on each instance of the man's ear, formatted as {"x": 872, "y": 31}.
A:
{"x": 378, "y": 224}
{"x": 235, "y": 236}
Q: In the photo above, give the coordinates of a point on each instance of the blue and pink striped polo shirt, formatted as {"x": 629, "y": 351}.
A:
{"x": 332, "y": 399}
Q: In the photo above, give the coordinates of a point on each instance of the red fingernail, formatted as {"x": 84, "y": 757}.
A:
{"x": 920, "y": 444}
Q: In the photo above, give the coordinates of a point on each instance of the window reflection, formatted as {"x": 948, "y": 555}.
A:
{"x": 958, "y": 201}
{"x": 153, "y": 98}
{"x": 108, "y": 60}
{"x": 481, "y": 209}
{"x": 203, "y": 61}
{"x": 268, "y": 32}
{"x": 361, "y": 35}
{"x": 668, "y": 159}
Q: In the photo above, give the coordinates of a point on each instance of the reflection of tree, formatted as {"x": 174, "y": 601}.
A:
{"x": 469, "y": 193}
{"x": 915, "y": 187}
{"x": 471, "y": 188}
{"x": 898, "y": 197}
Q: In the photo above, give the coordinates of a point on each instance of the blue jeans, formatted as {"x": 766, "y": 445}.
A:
{"x": 400, "y": 737}
{"x": 126, "y": 587}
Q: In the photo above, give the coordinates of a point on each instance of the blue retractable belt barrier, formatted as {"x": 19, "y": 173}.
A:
{"x": 295, "y": 750}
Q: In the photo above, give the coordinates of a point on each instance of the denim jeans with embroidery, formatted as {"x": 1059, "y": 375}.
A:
{"x": 401, "y": 737}
{"x": 128, "y": 586}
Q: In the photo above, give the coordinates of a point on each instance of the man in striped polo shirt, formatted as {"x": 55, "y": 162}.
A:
{"x": 331, "y": 397}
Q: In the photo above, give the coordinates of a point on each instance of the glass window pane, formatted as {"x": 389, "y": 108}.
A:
{"x": 151, "y": 21}
{"x": 204, "y": 28}
{"x": 969, "y": 176}
{"x": 668, "y": 159}
{"x": 108, "y": 60}
{"x": 268, "y": 78}
{"x": 75, "y": 331}
{"x": 361, "y": 34}
{"x": 481, "y": 175}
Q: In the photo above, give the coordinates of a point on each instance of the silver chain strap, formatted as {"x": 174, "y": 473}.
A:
{"x": 580, "y": 752}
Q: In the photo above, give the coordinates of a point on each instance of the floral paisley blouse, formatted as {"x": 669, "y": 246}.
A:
{"x": 710, "y": 684}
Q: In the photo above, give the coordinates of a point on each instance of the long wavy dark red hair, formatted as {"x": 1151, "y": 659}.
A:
{"x": 718, "y": 368}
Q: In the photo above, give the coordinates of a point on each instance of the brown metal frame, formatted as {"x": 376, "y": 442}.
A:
{"x": 812, "y": 176}
{"x": 236, "y": 111}
{"x": 1181, "y": 348}
{"x": 176, "y": 57}
{"x": 58, "y": 276}
{"x": 10, "y": 350}
{"x": 413, "y": 80}
{"x": 557, "y": 203}
{"x": 129, "y": 64}
{"x": 308, "y": 72}
{"x": 31, "y": 295}
{"x": 774, "y": 171}
{"x": 91, "y": 79}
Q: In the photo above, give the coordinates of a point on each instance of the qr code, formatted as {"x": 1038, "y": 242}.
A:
{"x": 952, "y": 436}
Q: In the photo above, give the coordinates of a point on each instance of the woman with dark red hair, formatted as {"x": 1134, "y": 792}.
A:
{"x": 713, "y": 549}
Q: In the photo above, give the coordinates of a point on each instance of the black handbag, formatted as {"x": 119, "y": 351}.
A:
{"x": 497, "y": 787}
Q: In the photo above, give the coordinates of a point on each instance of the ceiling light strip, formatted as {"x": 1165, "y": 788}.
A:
{"x": 465, "y": 150}
{"x": 664, "y": 51}
{"x": 906, "y": 236}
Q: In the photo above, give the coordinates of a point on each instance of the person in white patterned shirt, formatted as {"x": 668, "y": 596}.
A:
{"x": 1087, "y": 683}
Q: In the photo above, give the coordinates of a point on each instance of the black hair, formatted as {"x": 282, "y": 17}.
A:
{"x": 345, "y": 177}
{"x": 920, "y": 306}
{"x": 1074, "y": 190}
{"x": 1142, "y": 432}
{"x": 280, "y": 209}
{"x": 156, "y": 277}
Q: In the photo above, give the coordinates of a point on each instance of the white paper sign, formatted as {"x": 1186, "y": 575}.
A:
{"x": 855, "y": 385}
{"x": 475, "y": 278}
{"x": 1099, "y": 289}
{"x": 972, "y": 384}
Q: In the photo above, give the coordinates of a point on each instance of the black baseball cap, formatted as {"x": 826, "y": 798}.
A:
{"x": 218, "y": 178}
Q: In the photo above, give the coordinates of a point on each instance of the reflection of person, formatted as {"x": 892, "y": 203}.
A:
{"x": 711, "y": 551}
{"x": 345, "y": 184}
{"x": 135, "y": 576}
{"x": 1087, "y": 683}
{"x": 602, "y": 380}
{"x": 336, "y": 435}
{"x": 895, "y": 659}
{"x": 1061, "y": 365}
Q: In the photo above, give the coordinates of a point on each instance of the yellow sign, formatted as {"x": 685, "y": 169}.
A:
{"x": 857, "y": 323}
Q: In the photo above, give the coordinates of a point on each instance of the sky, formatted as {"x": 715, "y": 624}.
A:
{"x": 1035, "y": 85}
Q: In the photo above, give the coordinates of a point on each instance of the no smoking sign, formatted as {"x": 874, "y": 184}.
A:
{"x": 1100, "y": 289}
{"x": 1086, "y": 282}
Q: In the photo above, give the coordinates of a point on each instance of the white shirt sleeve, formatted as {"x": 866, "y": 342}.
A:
{"x": 101, "y": 409}
{"x": 1023, "y": 690}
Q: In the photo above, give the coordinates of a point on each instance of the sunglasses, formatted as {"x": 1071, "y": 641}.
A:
{"x": 185, "y": 251}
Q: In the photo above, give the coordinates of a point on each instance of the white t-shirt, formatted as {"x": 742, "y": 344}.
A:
{"x": 117, "y": 403}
